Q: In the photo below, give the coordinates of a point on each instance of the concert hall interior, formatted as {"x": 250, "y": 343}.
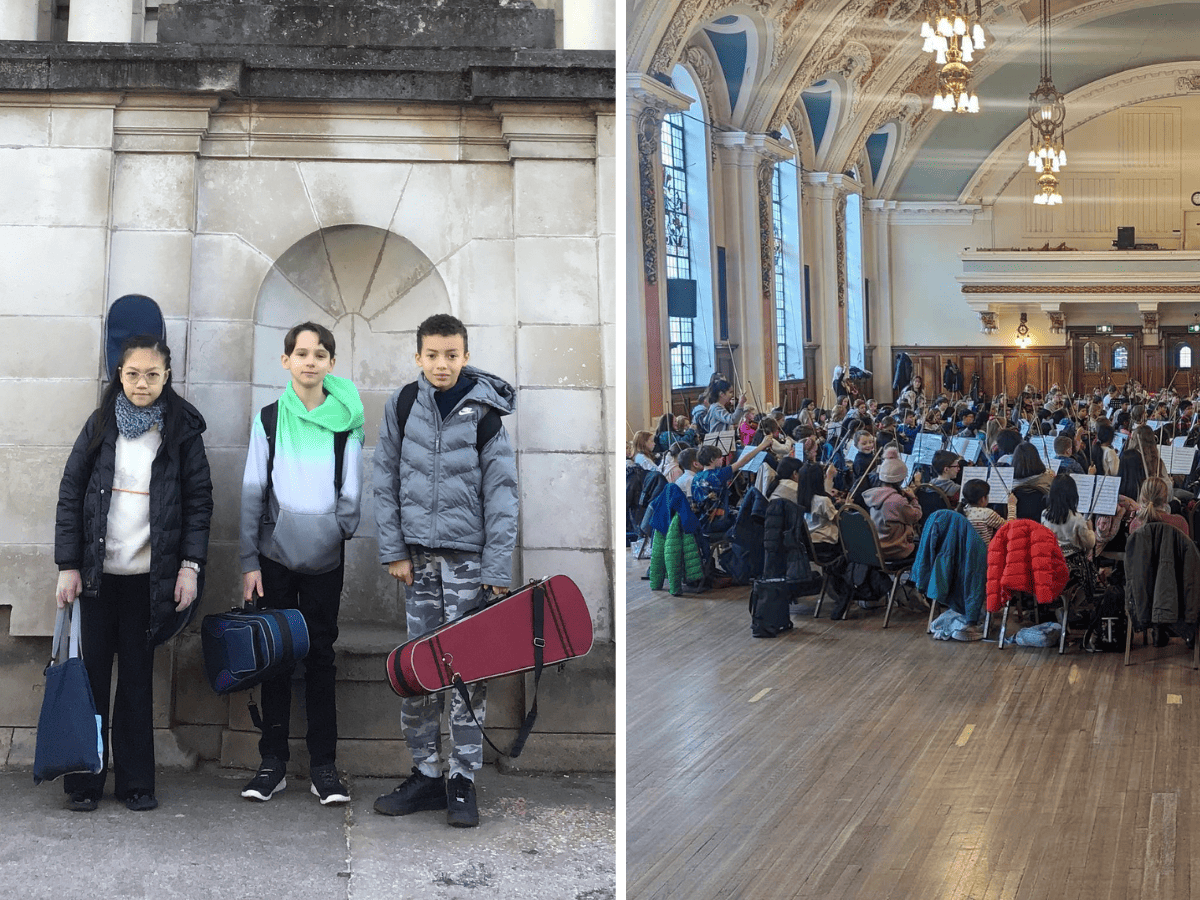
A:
{"x": 827, "y": 199}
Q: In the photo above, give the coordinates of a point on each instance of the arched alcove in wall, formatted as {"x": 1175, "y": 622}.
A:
{"x": 369, "y": 286}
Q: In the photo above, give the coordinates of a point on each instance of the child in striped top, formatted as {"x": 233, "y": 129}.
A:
{"x": 974, "y": 506}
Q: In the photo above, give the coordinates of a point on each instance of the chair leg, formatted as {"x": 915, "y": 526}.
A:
{"x": 891, "y": 599}
{"x": 987, "y": 624}
{"x": 1195, "y": 652}
{"x": 1003, "y": 629}
{"x": 933, "y": 604}
{"x": 821, "y": 597}
{"x": 1062, "y": 638}
{"x": 1128, "y": 636}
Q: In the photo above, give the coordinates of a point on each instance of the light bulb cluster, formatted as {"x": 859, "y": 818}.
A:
{"x": 953, "y": 35}
{"x": 1047, "y": 113}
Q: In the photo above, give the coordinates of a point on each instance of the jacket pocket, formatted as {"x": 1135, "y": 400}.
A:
{"x": 306, "y": 542}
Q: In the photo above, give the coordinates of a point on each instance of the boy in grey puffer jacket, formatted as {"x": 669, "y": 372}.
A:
{"x": 446, "y": 511}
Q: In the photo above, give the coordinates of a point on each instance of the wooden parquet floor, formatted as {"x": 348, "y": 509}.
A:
{"x": 844, "y": 761}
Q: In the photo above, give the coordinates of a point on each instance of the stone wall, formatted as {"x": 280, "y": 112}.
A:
{"x": 242, "y": 217}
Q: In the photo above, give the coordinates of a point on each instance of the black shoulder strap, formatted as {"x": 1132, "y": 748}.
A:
{"x": 270, "y": 421}
{"x": 487, "y": 429}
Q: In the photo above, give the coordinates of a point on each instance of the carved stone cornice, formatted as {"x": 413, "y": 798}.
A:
{"x": 1081, "y": 289}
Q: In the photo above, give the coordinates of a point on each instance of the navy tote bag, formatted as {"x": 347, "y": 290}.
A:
{"x": 68, "y": 735}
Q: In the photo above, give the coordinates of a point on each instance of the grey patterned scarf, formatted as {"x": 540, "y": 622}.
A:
{"x": 134, "y": 421}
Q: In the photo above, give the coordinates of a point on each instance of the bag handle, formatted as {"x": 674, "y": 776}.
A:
{"x": 69, "y": 625}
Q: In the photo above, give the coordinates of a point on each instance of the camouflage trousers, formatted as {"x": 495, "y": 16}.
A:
{"x": 445, "y": 587}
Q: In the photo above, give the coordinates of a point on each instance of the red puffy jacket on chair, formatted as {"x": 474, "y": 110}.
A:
{"x": 1024, "y": 556}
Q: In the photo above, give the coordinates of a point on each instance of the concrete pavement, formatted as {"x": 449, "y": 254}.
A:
{"x": 546, "y": 837}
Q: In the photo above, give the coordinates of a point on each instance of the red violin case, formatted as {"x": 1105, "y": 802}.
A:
{"x": 496, "y": 640}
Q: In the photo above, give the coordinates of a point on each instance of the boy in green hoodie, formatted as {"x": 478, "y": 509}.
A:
{"x": 294, "y": 522}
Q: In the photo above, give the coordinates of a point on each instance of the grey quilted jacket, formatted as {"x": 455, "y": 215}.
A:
{"x": 438, "y": 491}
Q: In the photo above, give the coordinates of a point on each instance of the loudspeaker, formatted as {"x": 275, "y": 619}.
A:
{"x": 1125, "y": 237}
{"x": 681, "y": 298}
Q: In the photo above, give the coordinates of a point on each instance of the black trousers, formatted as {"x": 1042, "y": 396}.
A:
{"x": 117, "y": 622}
{"x": 318, "y": 597}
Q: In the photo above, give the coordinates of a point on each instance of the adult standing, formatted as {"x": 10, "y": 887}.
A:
{"x": 131, "y": 540}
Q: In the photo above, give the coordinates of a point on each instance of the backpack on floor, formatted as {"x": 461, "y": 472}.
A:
{"x": 769, "y": 599}
{"x": 1106, "y": 631}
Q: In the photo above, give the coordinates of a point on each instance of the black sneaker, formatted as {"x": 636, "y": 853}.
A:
{"x": 418, "y": 792}
{"x": 460, "y": 802}
{"x": 268, "y": 781}
{"x": 327, "y": 785}
{"x": 140, "y": 801}
{"x": 82, "y": 801}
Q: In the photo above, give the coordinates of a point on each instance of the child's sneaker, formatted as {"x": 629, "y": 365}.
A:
{"x": 417, "y": 792}
{"x": 267, "y": 782}
{"x": 327, "y": 785}
{"x": 460, "y": 802}
{"x": 968, "y": 633}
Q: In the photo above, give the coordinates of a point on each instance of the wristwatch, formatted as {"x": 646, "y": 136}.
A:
{"x": 190, "y": 564}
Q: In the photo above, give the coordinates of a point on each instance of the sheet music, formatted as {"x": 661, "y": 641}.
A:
{"x": 1045, "y": 446}
{"x": 1118, "y": 442}
{"x": 911, "y": 469}
{"x": 755, "y": 464}
{"x": 1097, "y": 494}
{"x": 722, "y": 440}
{"x": 1024, "y": 426}
{"x": 1054, "y": 464}
{"x": 1178, "y": 459}
{"x": 968, "y": 448}
{"x": 999, "y": 479}
{"x": 1156, "y": 423}
{"x": 1178, "y": 440}
{"x": 924, "y": 446}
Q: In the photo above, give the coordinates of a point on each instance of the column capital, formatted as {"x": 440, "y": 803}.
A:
{"x": 648, "y": 92}
{"x": 748, "y": 149}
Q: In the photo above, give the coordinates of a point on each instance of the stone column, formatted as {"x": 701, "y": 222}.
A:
{"x": 748, "y": 163}
{"x": 589, "y": 25}
{"x": 648, "y": 373}
{"x": 101, "y": 20}
{"x": 877, "y": 265}
{"x": 827, "y": 283}
{"x": 18, "y": 20}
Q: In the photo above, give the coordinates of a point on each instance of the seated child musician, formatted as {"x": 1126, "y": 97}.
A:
{"x": 894, "y": 510}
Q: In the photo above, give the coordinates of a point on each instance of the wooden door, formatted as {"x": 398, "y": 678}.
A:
{"x": 1099, "y": 360}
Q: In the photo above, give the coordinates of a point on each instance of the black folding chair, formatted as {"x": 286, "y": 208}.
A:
{"x": 932, "y": 498}
{"x": 860, "y": 542}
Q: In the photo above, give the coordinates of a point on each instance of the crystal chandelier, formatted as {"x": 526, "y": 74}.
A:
{"x": 1047, "y": 112}
{"x": 953, "y": 34}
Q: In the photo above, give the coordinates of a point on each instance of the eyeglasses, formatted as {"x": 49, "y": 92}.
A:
{"x": 132, "y": 377}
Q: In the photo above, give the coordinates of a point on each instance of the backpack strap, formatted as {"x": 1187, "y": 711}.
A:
{"x": 488, "y": 427}
{"x": 270, "y": 422}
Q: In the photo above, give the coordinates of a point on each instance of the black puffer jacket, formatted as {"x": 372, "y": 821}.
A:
{"x": 1162, "y": 576}
{"x": 180, "y": 510}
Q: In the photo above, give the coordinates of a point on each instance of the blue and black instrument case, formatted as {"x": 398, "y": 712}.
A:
{"x": 245, "y": 647}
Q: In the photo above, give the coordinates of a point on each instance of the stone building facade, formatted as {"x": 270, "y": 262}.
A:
{"x": 247, "y": 185}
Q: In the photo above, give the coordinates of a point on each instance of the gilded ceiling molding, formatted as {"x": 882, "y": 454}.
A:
{"x": 1081, "y": 288}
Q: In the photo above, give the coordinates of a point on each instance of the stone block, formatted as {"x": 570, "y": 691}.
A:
{"x": 606, "y": 135}
{"x": 72, "y": 402}
{"x": 24, "y": 681}
{"x": 195, "y": 702}
{"x": 354, "y": 193}
{"x": 444, "y": 206}
{"x": 554, "y": 197}
{"x": 76, "y": 343}
{"x": 55, "y": 187}
{"x": 353, "y": 253}
{"x": 280, "y": 215}
{"x": 29, "y": 482}
{"x": 552, "y": 483}
{"x": 556, "y": 281}
{"x": 371, "y": 594}
{"x": 374, "y": 403}
{"x": 170, "y": 754}
{"x": 21, "y": 750}
{"x": 154, "y": 191}
{"x": 52, "y": 270}
{"x": 25, "y": 126}
{"x": 414, "y": 305}
{"x": 86, "y": 125}
{"x": 400, "y": 268}
{"x": 384, "y": 361}
{"x": 29, "y": 588}
{"x": 282, "y": 302}
{"x": 562, "y": 753}
{"x": 493, "y": 349}
{"x": 590, "y": 569}
{"x": 226, "y": 276}
{"x": 606, "y": 195}
{"x": 606, "y": 250}
{"x": 156, "y": 264}
{"x": 227, "y": 411}
{"x": 560, "y": 420}
{"x": 581, "y": 697}
{"x": 610, "y": 434}
{"x": 220, "y": 352}
{"x": 481, "y": 278}
{"x": 202, "y": 740}
{"x": 305, "y": 266}
{"x": 6, "y": 738}
{"x": 226, "y": 466}
{"x": 268, "y": 371}
{"x": 560, "y": 356}
{"x": 222, "y": 582}
{"x": 609, "y": 338}
{"x": 548, "y": 131}
{"x": 362, "y": 647}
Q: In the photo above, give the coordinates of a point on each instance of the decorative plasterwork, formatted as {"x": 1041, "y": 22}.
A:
{"x": 840, "y": 240}
{"x": 1127, "y": 289}
{"x": 1187, "y": 84}
{"x": 1097, "y": 99}
{"x": 683, "y": 22}
{"x": 766, "y": 233}
{"x": 957, "y": 214}
{"x": 1149, "y": 321}
{"x": 987, "y": 322}
{"x": 1058, "y": 320}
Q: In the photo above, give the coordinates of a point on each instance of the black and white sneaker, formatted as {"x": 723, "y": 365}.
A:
{"x": 416, "y": 793}
{"x": 460, "y": 802}
{"x": 328, "y": 786}
{"x": 267, "y": 782}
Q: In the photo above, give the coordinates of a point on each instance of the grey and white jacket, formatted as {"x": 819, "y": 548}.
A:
{"x": 438, "y": 491}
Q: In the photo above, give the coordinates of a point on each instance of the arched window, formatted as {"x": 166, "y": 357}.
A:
{"x": 1120, "y": 361}
{"x": 785, "y": 206}
{"x": 856, "y": 331}
{"x": 1183, "y": 355}
{"x": 686, "y": 253}
{"x": 1091, "y": 357}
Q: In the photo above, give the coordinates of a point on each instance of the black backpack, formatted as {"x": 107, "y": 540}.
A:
{"x": 1106, "y": 631}
{"x": 487, "y": 429}
{"x": 769, "y": 611}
